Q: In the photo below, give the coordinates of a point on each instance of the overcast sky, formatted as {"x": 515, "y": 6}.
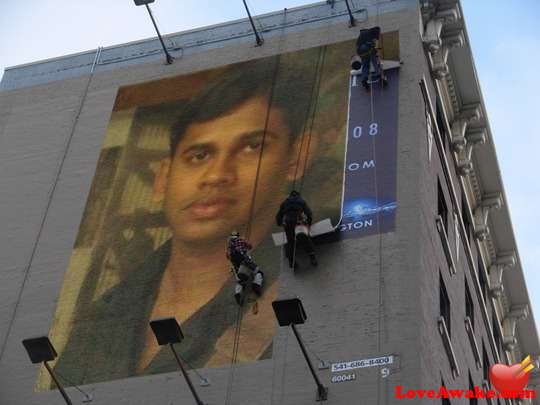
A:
{"x": 503, "y": 35}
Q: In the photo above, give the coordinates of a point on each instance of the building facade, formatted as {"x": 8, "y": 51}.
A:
{"x": 421, "y": 275}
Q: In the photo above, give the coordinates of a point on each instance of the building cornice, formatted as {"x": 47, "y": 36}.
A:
{"x": 448, "y": 48}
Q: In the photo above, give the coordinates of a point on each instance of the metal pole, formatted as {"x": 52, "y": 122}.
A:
{"x": 322, "y": 391}
{"x": 169, "y": 58}
{"x": 351, "y": 18}
{"x": 257, "y": 38}
{"x": 60, "y": 388}
{"x": 186, "y": 376}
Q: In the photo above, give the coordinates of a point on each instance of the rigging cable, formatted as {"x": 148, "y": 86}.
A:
{"x": 50, "y": 195}
{"x": 284, "y": 361}
{"x": 266, "y": 122}
{"x": 306, "y": 119}
{"x": 87, "y": 397}
{"x": 381, "y": 277}
{"x": 283, "y": 374}
{"x": 318, "y": 76}
{"x": 310, "y": 111}
{"x": 239, "y": 316}
{"x": 314, "y": 95}
{"x": 283, "y": 26}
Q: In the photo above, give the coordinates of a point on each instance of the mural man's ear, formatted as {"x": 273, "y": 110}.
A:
{"x": 303, "y": 152}
{"x": 160, "y": 182}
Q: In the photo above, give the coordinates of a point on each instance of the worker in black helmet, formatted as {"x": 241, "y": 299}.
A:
{"x": 243, "y": 266}
{"x": 366, "y": 49}
{"x": 296, "y": 217}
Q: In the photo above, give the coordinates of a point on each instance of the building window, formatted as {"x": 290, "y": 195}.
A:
{"x": 465, "y": 218}
{"x": 457, "y": 234}
{"x": 469, "y": 307}
{"x": 472, "y": 401}
{"x": 444, "y": 303}
{"x": 440, "y": 124}
{"x": 442, "y": 209}
{"x": 481, "y": 278}
{"x": 497, "y": 336}
{"x": 429, "y": 133}
{"x": 485, "y": 363}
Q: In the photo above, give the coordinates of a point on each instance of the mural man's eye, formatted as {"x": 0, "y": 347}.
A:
{"x": 252, "y": 146}
{"x": 199, "y": 156}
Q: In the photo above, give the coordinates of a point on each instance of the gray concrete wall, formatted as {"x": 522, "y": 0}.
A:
{"x": 363, "y": 301}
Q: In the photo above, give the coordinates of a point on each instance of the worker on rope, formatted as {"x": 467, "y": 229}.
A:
{"x": 243, "y": 266}
{"x": 295, "y": 216}
{"x": 367, "y": 56}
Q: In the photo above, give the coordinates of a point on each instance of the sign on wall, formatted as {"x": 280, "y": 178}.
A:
{"x": 369, "y": 191}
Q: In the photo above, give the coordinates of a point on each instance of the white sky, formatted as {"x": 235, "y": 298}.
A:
{"x": 503, "y": 35}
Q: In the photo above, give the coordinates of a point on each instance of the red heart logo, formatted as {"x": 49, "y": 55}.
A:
{"x": 502, "y": 377}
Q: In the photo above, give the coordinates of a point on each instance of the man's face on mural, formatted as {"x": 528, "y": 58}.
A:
{"x": 207, "y": 186}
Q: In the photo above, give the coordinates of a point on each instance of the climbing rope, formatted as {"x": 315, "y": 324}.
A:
{"x": 377, "y": 194}
{"x": 306, "y": 119}
{"x": 283, "y": 373}
{"x": 50, "y": 195}
{"x": 380, "y": 275}
{"x": 308, "y": 129}
{"x": 284, "y": 363}
{"x": 266, "y": 122}
{"x": 239, "y": 314}
{"x": 317, "y": 81}
{"x": 313, "y": 101}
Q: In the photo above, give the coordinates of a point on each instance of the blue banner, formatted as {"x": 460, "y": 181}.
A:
{"x": 369, "y": 190}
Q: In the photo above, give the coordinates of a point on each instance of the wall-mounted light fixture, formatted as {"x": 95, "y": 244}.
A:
{"x": 146, "y": 3}
{"x": 291, "y": 312}
{"x": 41, "y": 350}
{"x": 168, "y": 332}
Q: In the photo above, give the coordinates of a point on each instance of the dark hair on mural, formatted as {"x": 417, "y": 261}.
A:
{"x": 289, "y": 82}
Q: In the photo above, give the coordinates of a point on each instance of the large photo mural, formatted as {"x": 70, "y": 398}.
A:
{"x": 186, "y": 161}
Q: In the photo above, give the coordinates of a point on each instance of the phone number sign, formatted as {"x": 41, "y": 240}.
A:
{"x": 356, "y": 364}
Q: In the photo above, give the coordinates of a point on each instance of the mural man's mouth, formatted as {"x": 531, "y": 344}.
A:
{"x": 211, "y": 208}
